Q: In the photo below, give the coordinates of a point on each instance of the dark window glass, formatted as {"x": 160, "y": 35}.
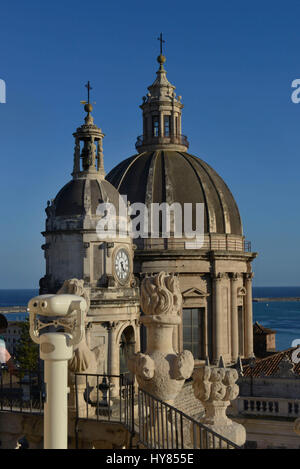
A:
{"x": 155, "y": 125}
{"x": 193, "y": 331}
{"x": 166, "y": 126}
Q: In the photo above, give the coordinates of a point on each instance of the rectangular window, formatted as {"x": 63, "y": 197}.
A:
{"x": 167, "y": 126}
{"x": 193, "y": 329}
{"x": 155, "y": 126}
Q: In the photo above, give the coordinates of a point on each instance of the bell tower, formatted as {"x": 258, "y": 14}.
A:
{"x": 88, "y": 151}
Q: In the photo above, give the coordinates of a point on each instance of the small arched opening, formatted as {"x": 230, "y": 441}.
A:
{"x": 127, "y": 348}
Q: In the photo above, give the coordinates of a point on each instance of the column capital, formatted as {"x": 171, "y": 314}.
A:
{"x": 249, "y": 275}
{"x": 112, "y": 325}
{"x": 234, "y": 275}
{"x": 219, "y": 276}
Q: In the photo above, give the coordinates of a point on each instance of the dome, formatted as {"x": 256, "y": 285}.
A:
{"x": 173, "y": 176}
{"x": 70, "y": 199}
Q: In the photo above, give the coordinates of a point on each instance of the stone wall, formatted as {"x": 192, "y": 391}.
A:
{"x": 187, "y": 403}
{"x": 15, "y": 427}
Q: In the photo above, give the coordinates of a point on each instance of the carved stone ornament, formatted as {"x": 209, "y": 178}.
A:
{"x": 285, "y": 369}
{"x": 215, "y": 387}
{"x": 161, "y": 371}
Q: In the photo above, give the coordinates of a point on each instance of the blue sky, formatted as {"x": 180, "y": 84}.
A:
{"x": 233, "y": 62}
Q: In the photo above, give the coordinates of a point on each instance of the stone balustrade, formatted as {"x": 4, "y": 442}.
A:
{"x": 276, "y": 407}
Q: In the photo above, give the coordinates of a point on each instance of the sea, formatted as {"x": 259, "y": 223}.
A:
{"x": 282, "y": 316}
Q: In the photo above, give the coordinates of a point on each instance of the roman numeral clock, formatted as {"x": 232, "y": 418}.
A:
{"x": 122, "y": 265}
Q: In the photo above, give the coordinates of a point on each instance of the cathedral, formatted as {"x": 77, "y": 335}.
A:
{"x": 215, "y": 278}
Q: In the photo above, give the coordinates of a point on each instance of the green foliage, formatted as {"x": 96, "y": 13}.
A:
{"x": 27, "y": 352}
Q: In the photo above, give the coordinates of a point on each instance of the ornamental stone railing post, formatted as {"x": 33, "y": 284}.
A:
{"x": 161, "y": 371}
{"x": 215, "y": 387}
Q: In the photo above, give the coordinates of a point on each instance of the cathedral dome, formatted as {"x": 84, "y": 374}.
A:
{"x": 70, "y": 199}
{"x": 173, "y": 176}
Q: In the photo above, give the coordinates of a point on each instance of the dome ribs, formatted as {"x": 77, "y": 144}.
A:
{"x": 150, "y": 180}
{"x": 232, "y": 213}
{"x": 225, "y": 213}
{"x": 177, "y": 176}
{"x": 209, "y": 211}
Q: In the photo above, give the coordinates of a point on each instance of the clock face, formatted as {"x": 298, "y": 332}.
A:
{"x": 122, "y": 265}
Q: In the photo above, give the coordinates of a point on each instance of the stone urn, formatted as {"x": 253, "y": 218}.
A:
{"x": 215, "y": 387}
{"x": 161, "y": 371}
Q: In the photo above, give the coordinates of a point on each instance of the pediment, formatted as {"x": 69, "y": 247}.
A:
{"x": 241, "y": 291}
{"x": 194, "y": 293}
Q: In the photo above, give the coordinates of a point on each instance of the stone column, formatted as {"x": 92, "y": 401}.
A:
{"x": 217, "y": 318}
{"x": 234, "y": 319}
{"x": 215, "y": 387}
{"x": 114, "y": 358}
{"x": 161, "y": 125}
{"x": 76, "y": 166}
{"x": 248, "y": 316}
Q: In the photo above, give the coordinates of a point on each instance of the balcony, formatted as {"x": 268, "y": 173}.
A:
{"x": 143, "y": 140}
{"x": 99, "y": 418}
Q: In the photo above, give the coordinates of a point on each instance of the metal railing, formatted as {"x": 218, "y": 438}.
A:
{"x": 158, "y": 425}
{"x": 247, "y": 246}
{"x": 162, "y": 426}
{"x": 105, "y": 398}
{"x": 151, "y": 140}
{"x": 22, "y": 392}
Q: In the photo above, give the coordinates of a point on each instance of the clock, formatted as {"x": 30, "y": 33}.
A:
{"x": 122, "y": 265}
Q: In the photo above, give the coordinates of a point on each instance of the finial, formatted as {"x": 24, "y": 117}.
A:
{"x": 221, "y": 362}
{"x": 239, "y": 366}
{"x": 87, "y": 105}
{"x": 161, "y": 58}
